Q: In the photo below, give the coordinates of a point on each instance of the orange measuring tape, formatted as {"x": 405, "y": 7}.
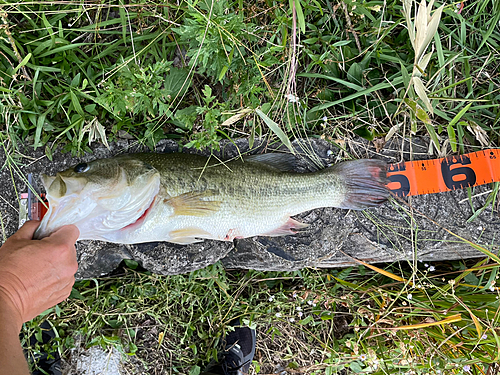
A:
{"x": 446, "y": 174}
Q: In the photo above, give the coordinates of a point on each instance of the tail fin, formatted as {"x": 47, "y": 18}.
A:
{"x": 366, "y": 183}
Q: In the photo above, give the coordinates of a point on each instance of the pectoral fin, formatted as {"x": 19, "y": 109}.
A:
{"x": 193, "y": 204}
{"x": 189, "y": 235}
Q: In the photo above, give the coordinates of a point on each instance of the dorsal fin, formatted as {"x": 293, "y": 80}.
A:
{"x": 281, "y": 162}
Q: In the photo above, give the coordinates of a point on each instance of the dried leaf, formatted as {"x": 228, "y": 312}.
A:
{"x": 96, "y": 132}
{"x": 231, "y": 120}
{"x": 421, "y": 26}
{"x": 431, "y": 29}
{"x": 423, "y": 64}
{"x": 429, "y": 8}
{"x": 407, "y": 5}
{"x": 480, "y": 134}
{"x": 420, "y": 90}
{"x": 391, "y": 132}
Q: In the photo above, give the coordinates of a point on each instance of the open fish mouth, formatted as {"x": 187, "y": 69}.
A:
{"x": 98, "y": 210}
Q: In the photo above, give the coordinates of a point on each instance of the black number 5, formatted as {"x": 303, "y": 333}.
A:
{"x": 467, "y": 175}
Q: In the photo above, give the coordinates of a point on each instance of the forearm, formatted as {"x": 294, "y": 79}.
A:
{"x": 12, "y": 359}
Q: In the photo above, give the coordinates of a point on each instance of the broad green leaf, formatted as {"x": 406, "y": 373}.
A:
{"x": 459, "y": 115}
{"x": 433, "y": 135}
{"x": 494, "y": 21}
{"x": 338, "y": 80}
{"x": 355, "y": 74}
{"x": 22, "y": 63}
{"x": 62, "y": 49}
{"x": 60, "y": 30}
{"x": 50, "y": 31}
{"x": 452, "y": 137}
{"x": 364, "y": 132}
{"x": 341, "y": 43}
{"x": 276, "y": 130}
{"x": 76, "y": 104}
{"x": 439, "y": 50}
{"x": 43, "y": 68}
{"x": 300, "y": 16}
{"x": 380, "y": 86}
{"x": 423, "y": 116}
{"x": 75, "y": 82}
{"x": 405, "y": 74}
{"x": 123, "y": 19}
{"x": 225, "y": 68}
{"x": 39, "y": 126}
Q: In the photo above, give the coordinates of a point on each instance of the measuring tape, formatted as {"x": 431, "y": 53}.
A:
{"x": 446, "y": 174}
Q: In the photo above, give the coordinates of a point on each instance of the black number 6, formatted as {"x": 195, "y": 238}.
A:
{"x": 448, "y": 173}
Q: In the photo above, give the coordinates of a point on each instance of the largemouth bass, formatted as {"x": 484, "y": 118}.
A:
{"x": 184, "y": 198}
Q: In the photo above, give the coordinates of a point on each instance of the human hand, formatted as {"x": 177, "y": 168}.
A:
{"x": 37, "y": 274}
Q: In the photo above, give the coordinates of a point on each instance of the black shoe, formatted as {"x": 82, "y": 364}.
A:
{"x": 42, "y": 364}
{"x": 239, "y": 350}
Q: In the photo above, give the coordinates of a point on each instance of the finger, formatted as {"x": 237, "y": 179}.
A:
{"x": 27, "y": 231}
{"x": 62, "y": 294}
{"x": 65, "y": 234}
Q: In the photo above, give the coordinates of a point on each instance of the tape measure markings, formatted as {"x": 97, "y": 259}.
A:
{"x": 445, "y": 174}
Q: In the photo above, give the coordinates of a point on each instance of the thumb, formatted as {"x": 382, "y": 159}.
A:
{"x": 27, "y": 230}
{"x": 67, "y": 233}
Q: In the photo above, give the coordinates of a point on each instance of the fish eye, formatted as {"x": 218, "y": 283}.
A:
{"x": 82, "y": 167}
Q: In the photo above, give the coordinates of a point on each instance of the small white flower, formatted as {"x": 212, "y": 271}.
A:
{"x": 278, "y": 315}
{"x": 271, "y": 299}
{"x": 292, "y": 98}
{"x": 329, "y": 152}
{"x": 467, "y": 368}
{"x": 362, "y": 357}
{"x": 410, "y": 296}
{"x": 426, "y": 265}
{"x": 432, "y": 268}
{"x": 492, "y": 287}
{"x": 484, "y": 336}
{"x": 291, "y": 320}
{"x": 300, "y": 314}
{"x": 294, "y": 295}
{"x": 325, "y": 119}
{"x": 310, "y": 303}
{"x": 298, "y": 308}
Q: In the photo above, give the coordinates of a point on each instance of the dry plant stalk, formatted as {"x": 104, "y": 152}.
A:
{"x": 421, "y": 33}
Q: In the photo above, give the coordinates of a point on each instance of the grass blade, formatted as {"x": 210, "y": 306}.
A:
{"x": 276, "y": 129}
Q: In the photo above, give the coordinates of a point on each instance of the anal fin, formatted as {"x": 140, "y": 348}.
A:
{"x": 290, "y": 227}
{"x": 189, "y": 235}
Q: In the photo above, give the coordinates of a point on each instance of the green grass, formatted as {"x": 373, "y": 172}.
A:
{"x": 196, "y": 72}
{"x": 324, "y": 321}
